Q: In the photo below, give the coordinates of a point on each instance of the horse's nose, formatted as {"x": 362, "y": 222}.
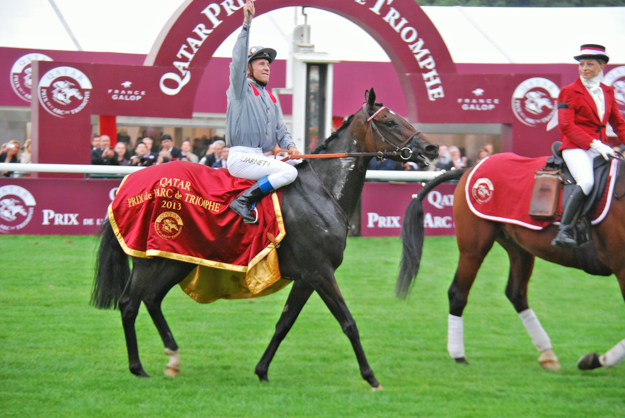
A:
{"x": 431, "y": 149}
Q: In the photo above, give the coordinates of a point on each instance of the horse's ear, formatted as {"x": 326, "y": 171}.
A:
{"x": 370, "y": 98}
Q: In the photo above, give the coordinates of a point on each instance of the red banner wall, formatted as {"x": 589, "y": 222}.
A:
{"x": 383, "y": 206}
{"x": 54, "y": 206}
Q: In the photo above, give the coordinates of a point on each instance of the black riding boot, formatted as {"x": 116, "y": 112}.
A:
{"x": 566, "y": 232}
{"x": 241, "y": 205}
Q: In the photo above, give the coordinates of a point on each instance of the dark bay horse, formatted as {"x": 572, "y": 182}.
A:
{"x": 476, "y": 236}
{"x": 316, "y": 209}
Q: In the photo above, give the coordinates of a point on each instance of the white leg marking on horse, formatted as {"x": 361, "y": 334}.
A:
{"x": 547, "y": 359}
{"x": 455, "y": 336}
{"x": 173, "y": 367}
{"x": 614, "y": 356}
{"x": 535, "y": 330}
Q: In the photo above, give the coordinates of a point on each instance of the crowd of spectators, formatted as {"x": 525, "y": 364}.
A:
{"x": 157, "y": 149}
{"x": 210, "y": 152}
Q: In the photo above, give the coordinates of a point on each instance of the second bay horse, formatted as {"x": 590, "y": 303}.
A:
{"x": 476, "y": 236}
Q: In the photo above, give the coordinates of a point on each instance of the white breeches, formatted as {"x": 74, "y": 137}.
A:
{"x": 579, "y": 162}
{"x": 252, "y": 164}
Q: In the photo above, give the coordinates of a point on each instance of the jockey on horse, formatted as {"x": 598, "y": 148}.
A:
{"x": 584, "y": 108}
{"x": 254, "y": 124}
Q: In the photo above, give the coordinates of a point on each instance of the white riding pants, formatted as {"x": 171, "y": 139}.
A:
{"x": 252, "y": 164}
{"x": 579, "y": 162}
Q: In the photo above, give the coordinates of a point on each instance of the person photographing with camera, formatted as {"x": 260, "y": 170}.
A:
{"x": 142, "y": 156}
{"x": 9, "y": 155}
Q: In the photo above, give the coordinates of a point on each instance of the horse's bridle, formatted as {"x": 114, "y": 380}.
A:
{"x": 401, "y": 150}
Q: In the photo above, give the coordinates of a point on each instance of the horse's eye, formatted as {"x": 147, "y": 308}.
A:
{"x": 390, "y": 123}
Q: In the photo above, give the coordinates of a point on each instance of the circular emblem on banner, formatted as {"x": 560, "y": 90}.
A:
{"x": 534, "y": 101}
{"x": 21, "y": 71}
{"x": 482, "y": 190}
{"x": 64, "y": 91}
{"x": 616, "y": 79}
{"x": 168, "y": 225}
{"x": 17, "y": 206}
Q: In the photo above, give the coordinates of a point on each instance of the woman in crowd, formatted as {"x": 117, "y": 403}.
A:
{"x": 481, "y": 154}
{"x": 26, "y": 156}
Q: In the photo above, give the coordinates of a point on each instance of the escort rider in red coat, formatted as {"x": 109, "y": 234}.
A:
{"x": 584, "y": 108}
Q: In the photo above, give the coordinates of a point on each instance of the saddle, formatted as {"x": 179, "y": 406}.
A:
{"x": 556, "y": 168}
{"x": 601, "y": 168}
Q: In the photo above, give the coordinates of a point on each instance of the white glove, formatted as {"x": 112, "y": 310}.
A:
{"x": 602, "y": 149}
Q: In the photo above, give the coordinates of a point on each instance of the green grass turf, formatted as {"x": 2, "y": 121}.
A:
{"x": 63, "y": 358}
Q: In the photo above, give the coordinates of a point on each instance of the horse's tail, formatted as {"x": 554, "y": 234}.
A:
{"x": 412, "y": 234}
{"x": 112, "y": 270}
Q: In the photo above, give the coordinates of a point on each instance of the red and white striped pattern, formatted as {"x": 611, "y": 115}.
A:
{"x": 593, "y": 51}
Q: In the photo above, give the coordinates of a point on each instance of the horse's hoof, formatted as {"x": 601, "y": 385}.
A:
{"x": 263, "y": 377}
{"x": 461, "y": 360}
{"x": 552, "y": 365}
{"x": 140, "y": 373}
{"x": 171, "y": 372}
{"x": 549, "y": 361}
{"x": 379, "y": 387}
{"x": 589, "y": 362}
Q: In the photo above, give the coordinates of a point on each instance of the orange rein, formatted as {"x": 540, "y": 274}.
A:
{"x": 307, "y": 156}
{"x": 378, "y": 154}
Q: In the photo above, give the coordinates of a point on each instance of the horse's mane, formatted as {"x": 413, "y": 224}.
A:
{"x": 336, "y": 133}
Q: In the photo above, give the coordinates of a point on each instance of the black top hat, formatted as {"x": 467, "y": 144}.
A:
{"x": 593, "y": 51}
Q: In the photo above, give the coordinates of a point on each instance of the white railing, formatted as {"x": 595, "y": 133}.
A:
{"x": 68, "y": 168}
{"x": 103, "y": 169}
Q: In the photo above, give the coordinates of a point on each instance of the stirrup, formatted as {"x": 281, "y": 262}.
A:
{"x": 562, "y": 240}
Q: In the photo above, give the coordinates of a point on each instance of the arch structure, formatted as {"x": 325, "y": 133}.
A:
{"x": 195, "y": 31}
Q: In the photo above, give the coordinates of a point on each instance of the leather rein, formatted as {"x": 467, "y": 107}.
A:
{"x": 403, "y": 152}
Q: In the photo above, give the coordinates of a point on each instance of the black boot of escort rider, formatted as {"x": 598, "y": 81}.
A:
{"x": 241, "y": 205}
{"x": 566, "y": 232}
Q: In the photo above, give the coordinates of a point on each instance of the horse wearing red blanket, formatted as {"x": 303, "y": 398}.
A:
{"x": 491, "y": 203}
{"x": 316, "y": 211}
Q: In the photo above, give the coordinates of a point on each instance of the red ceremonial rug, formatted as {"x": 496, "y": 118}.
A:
{"x": 500, "y": 189}
{"x": 179, "y": 210}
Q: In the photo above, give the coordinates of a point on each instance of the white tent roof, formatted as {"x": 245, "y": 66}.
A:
{"x": 473, "y": 34}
